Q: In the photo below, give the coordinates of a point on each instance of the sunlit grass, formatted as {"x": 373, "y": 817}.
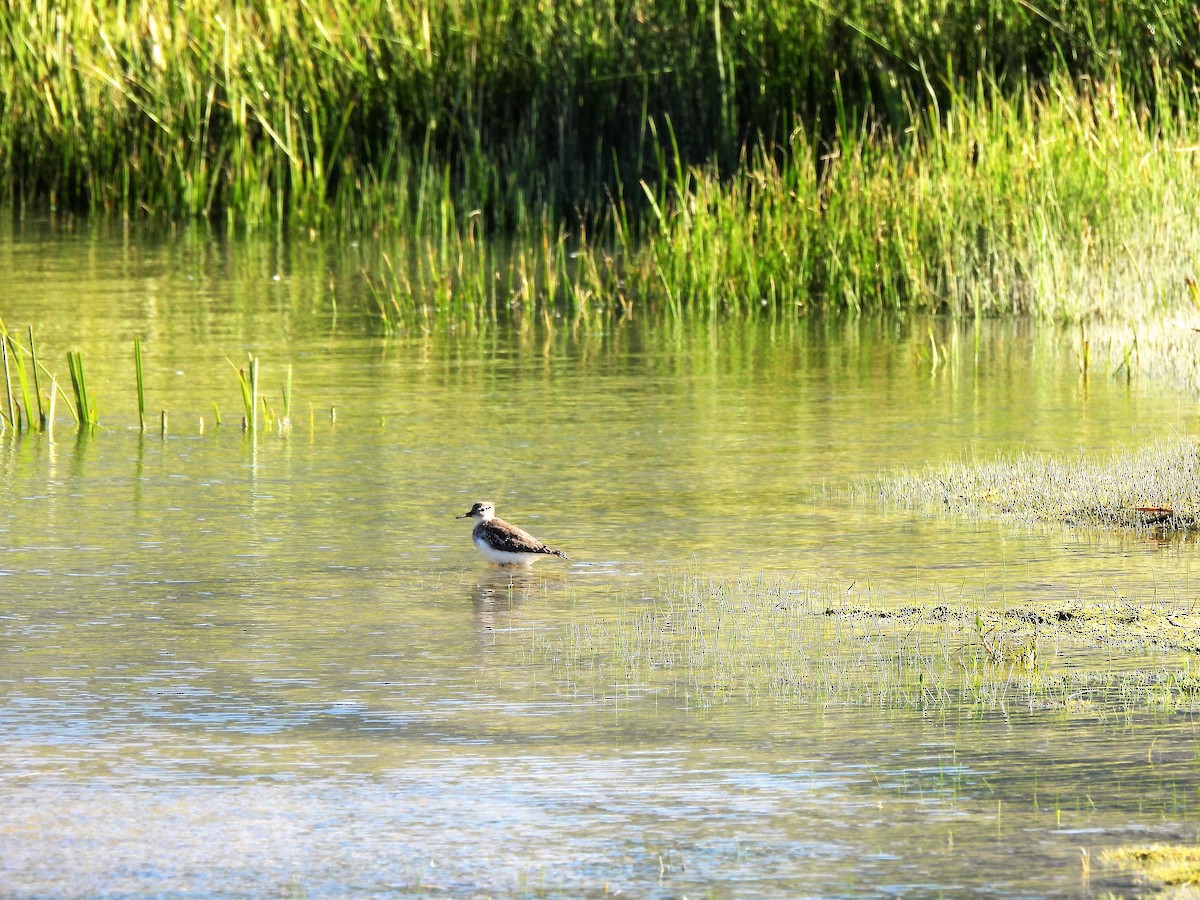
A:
{"x": 704, "y": 641}
{"x": 1154, "y": 488}
{"x": 550, "y": 160}
{"x": 22, "y": 387}
{"x": 1168, "y": 864}
{"x": 1069, "y": 205}
{"x": 420, "y": 114}
{"x": 29, "y": 392}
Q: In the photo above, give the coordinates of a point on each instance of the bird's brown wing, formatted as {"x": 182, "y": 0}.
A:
{"x": 511, "y": 539}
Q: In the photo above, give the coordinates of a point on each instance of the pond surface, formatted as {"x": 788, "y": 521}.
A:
{"x": 235, "y": 666}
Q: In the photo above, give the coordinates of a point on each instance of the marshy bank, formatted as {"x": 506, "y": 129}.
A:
{"x": 976, "y": 159}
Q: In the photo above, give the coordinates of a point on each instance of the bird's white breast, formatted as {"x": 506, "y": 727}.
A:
{"x": 503, "y": 557}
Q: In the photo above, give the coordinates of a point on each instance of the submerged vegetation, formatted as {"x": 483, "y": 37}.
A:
{"x": 1155, "y": 489}
{"x": 708, "y": 641}
{"x": 561, "y": 158}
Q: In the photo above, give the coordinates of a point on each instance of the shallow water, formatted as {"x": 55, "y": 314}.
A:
{"x": 242, "y": 667}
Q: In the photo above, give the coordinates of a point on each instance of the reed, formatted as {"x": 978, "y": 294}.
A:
{"x": 513, "y": 159}
{"x": 37, "y": 386}
{"x": 18, "y": 364}
{"x": 268, "y": 418}
{"x": 1069, "y": 204}
{"x": 287, "y": 399}
{"x": 253, "y": 384}
{"x": 141, "y": 385}
{"x": 248, "y": 382}
{"x": 12, "y": 417}
{"x": 50, "y": 404}
{"x": 85, "y": 402}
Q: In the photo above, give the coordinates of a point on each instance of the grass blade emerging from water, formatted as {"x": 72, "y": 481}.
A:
{"x": 22, "y": 381}
{"x": 248, "y": 382}
{"x": 141, "y": 385}
{"x": 287, "y": 396}
{"x": 708, "y": 641}
{"x": 37, "y": 386}
{"x": 10, "y": 418}
{"x": 84, "y": 402}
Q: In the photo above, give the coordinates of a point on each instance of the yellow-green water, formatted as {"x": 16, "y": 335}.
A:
{"x": 236, "y": 667}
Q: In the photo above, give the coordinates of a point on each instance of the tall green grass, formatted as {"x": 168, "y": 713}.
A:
{"x": 359, "y": 111}
{"x": 1065, "y": 203}
{"x": 85, "y": 401}
{"x": 582, "y": 159}
{"x": 1069, "y": 203}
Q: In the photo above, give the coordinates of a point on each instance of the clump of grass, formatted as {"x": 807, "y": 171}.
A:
{"x": 1155, "y": 488}
{"x": 1172, "y": 864}
{"x": 20, "y": 416}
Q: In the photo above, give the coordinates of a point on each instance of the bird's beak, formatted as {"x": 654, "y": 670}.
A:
{"x": 465, "y": 515}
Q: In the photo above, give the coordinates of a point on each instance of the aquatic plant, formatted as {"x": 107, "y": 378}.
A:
{"x": 141, "y": 387}
{"x": 989, "y": 207}
{"x": 25, "y": 408}
{"x": 19, "y": 415}
{"x": 287, "y": 398}
{"x": 1154, "y": 488}
{"x": 248, "y": 382}
{"x": 85, "y": 402}
{"x": 37, "y": 387}
{"x": 708, "y": 641}
{"x": 547, "y": 162}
